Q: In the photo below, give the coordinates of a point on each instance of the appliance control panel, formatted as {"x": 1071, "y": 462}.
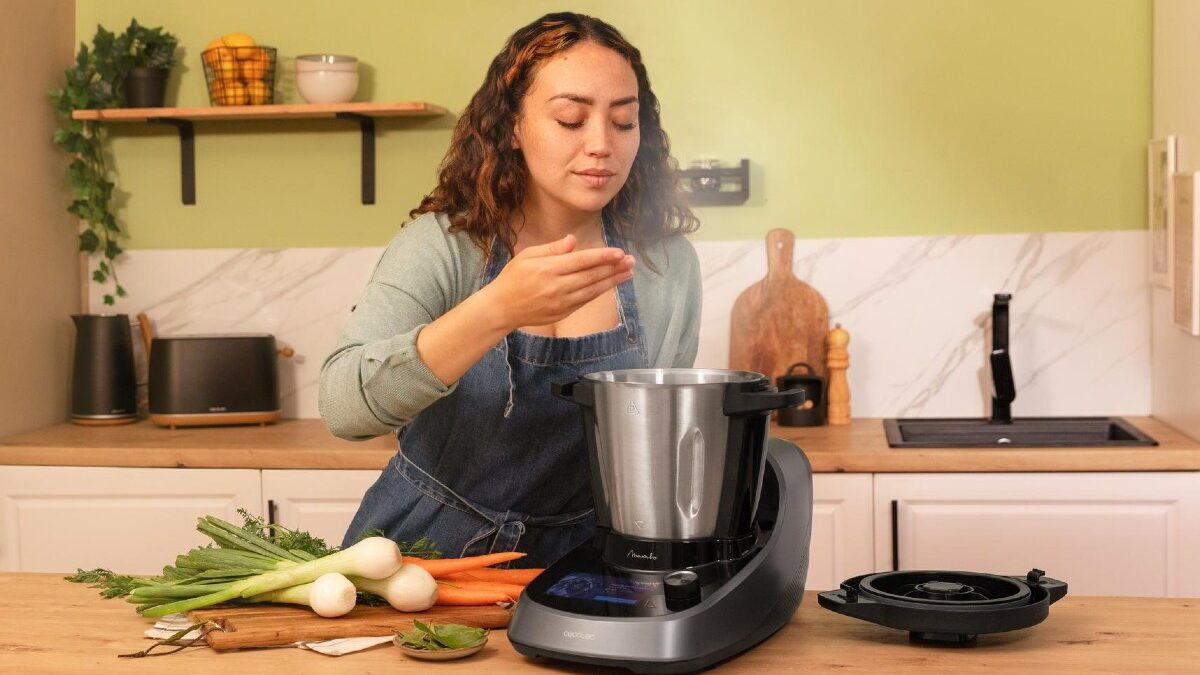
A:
{"x": 584, "y": 584}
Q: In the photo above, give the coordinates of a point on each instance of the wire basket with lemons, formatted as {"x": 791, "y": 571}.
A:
{"x": 239, "y": 71}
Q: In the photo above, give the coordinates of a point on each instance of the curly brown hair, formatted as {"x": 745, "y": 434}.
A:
{"x": 482, "y": 179}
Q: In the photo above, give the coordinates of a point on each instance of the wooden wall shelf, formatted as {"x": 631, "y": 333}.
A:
{"x": 270, "y": 112}
{"x": 183, "y": 118}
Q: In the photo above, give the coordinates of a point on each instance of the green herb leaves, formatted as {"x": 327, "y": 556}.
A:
{"x": 421, "y": 548}
{"x": 112, "y": 585}
{"x": 145, "y": 47}
{"x": 442, "y": 636}
{"x": 294, "y": 541}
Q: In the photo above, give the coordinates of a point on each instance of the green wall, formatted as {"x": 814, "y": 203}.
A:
{"x": 860, "y": 117}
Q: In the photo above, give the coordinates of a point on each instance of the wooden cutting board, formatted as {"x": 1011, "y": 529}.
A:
{"x": 273, "y": 625}
{"x": 779, "y": 320}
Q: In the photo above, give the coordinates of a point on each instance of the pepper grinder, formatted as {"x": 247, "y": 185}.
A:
{"x": 837, "y": 360}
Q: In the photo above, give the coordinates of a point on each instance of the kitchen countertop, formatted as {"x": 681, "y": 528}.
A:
{"x": 51, "y": 625}
{"x": 306, "y": 444}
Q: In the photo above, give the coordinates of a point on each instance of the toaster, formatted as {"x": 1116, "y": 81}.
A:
{"x": 200, "y": 380}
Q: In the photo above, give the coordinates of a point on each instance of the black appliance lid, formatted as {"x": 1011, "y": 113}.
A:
{"x": 946, "y": 606}
{"x": 963, "y": 590}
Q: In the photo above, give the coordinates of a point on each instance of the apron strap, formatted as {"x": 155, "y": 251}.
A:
{"x": 503, "y": 528}
{"x": 509, "y": 526}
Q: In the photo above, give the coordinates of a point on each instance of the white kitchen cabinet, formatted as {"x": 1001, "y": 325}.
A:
{"x": 842, "y": 530}
{"x": 1130, "y": 534}
{"x": 133, "y": 521}
{"x": 323, "y": 502}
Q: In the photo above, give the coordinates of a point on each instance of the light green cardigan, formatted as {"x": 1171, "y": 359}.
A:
{"x": 375, "y": 383}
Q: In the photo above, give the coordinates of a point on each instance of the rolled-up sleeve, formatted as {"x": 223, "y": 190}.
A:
{"x": 375, "y": 382}
{"x": 669, "y": 303}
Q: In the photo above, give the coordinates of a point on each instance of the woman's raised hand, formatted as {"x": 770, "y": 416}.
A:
{"x": 540, "y": 285}
{"x": 544, "y": 284}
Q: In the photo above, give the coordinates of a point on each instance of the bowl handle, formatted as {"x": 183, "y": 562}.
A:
{"x": 576, "y": 391}
{"x": 754, "y": 402}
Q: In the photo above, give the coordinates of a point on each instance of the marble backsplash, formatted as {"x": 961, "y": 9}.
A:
{"x": 915, "y": 308}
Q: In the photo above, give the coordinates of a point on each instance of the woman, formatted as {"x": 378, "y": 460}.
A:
{"x": 552, "y": 247}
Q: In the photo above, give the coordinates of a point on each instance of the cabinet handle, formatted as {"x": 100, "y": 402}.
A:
{"x": 271, "y": 516}
{"x": 895, "y": 536}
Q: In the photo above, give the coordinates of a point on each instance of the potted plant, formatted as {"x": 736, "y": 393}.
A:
{"x": 97, "y": 80}
{"x": 146, "y": 56}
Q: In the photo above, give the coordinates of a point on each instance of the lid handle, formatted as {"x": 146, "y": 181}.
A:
{"x": 801, "y": 364}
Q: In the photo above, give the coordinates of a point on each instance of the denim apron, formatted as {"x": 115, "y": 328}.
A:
{"x": 500, "y": 464}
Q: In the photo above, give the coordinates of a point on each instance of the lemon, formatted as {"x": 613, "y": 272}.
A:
{"x": 225, "y": 67}
{"x": 210, "y": 54}
{"x": 256, "y": 67}
{"x": 232, "y": 93}
{"x": 242, "y": 41}
{"x": 257, "y": 92}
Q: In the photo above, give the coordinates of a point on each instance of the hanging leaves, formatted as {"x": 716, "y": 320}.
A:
{"x": 96, "y": 82}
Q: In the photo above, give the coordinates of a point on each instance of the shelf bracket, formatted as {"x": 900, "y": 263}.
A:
{"x": 718, "y": 197}
{"x": 187, "y": 155}
{"x": 367, "y": 123}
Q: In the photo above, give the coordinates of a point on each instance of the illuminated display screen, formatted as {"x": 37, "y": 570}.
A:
{"x": 585, "y": 586}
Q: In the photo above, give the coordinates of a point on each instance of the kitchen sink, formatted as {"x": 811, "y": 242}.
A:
{"x": 1002, "y": 429}
{"x": 1021, "y": 432}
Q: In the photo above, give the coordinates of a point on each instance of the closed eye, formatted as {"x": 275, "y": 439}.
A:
{"x": 579, "y": 125}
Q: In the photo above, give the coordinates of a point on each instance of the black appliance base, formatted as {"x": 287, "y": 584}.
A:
{"x": 586, "y": 610}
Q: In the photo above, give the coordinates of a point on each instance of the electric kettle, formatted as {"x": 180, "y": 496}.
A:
{"x": 103, "y": 385}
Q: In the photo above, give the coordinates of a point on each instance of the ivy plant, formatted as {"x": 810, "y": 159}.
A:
{"x": 95, "y": 81}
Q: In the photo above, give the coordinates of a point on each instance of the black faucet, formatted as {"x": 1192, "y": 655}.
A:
{"x": 1003, "y": 389}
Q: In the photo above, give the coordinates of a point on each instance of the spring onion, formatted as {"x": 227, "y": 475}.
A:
{"x": 371, "y": 558}
{"x": 330, "y": 595}
{"x": 410, "y": 589}
{"x": 248, "y": 563}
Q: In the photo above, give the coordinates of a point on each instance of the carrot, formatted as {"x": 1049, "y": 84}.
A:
{"x": 440, "y": 567}
{"x": 447, "y": 595}
{"x": 517, "y": 576}
{"x": 511, "y": 591}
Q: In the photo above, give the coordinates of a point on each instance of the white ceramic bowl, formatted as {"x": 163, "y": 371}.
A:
{"x": 327, "y": 86}
{"x": 326, "y": 78}
{"x": 306, "y": 62}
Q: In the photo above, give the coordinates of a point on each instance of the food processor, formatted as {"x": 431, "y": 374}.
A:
{"x": 702, "y": 525}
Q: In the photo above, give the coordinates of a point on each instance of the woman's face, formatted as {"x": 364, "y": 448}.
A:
{"x": 578, "y": 127}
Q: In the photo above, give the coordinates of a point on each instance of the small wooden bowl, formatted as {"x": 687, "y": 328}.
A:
{"x": 439, "y": 654}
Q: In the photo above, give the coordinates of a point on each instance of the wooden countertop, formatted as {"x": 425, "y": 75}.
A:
{"x": 54, "y": 626}
{"x": 861, "y": 447}
{"x": 290, "y": 444}
{"x": 306, "y": 444}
